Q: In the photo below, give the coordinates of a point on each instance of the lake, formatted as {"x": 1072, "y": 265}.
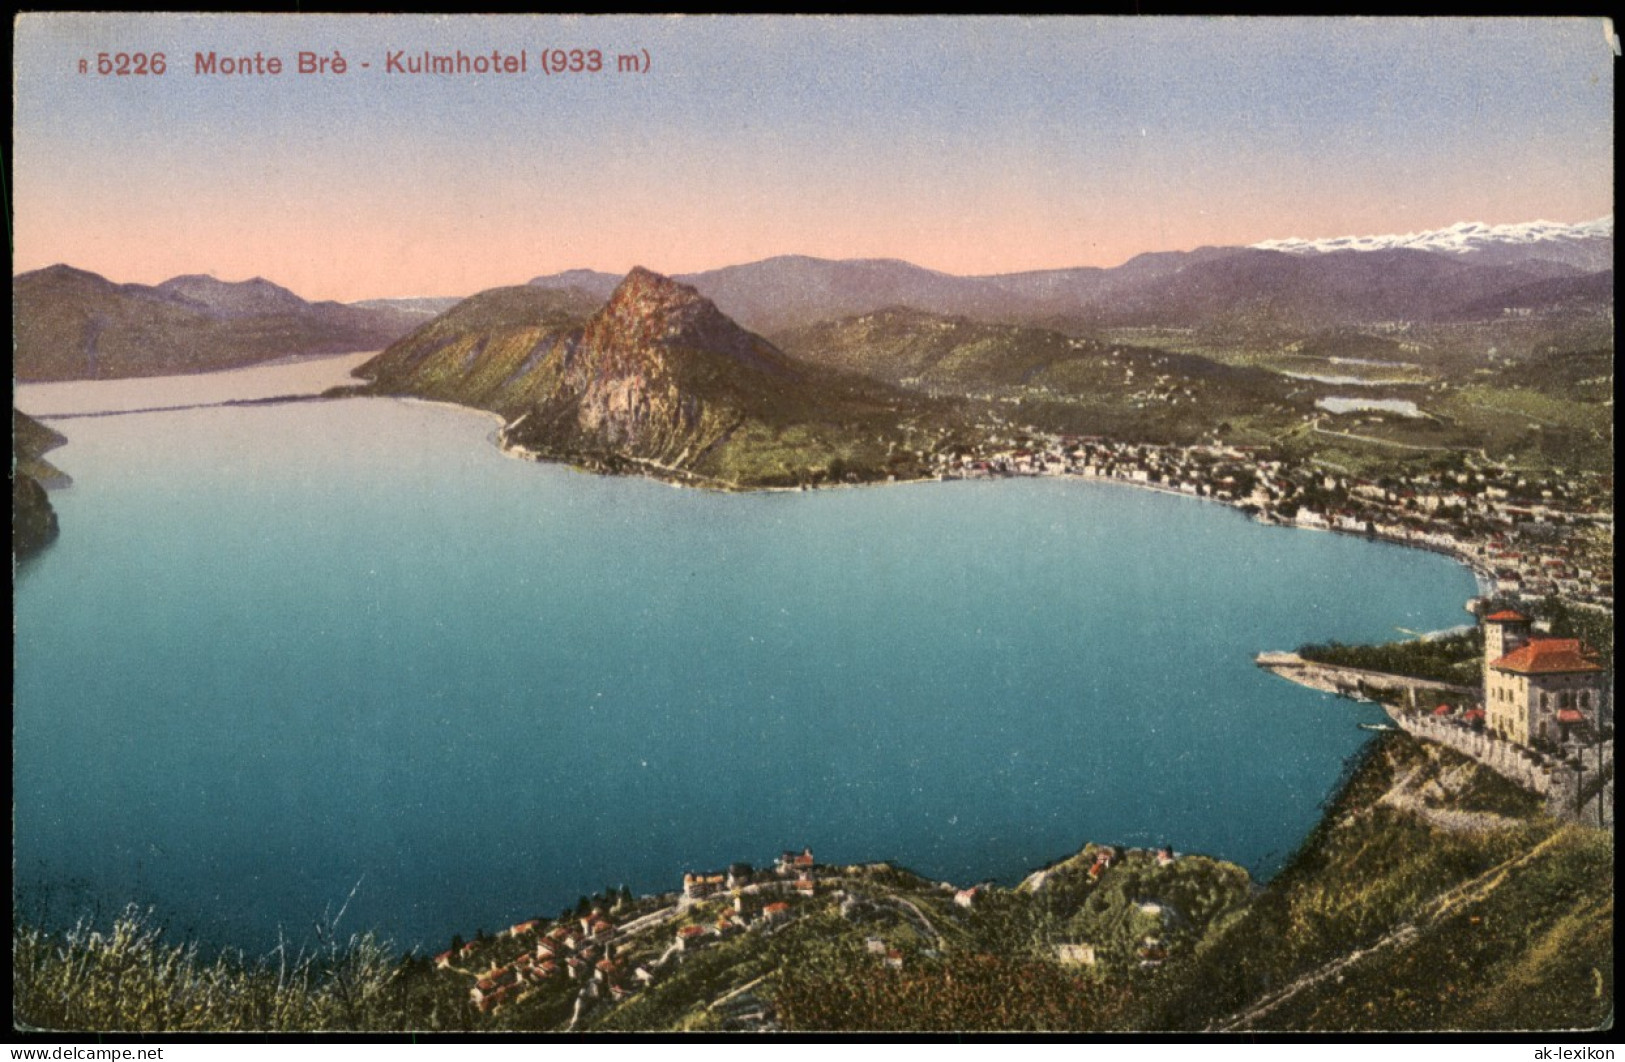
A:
{"x": 282, "y": 650}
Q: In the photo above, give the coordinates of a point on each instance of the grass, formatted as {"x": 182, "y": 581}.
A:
{"x": 1522, "y": 943}
{"x": 129, "y": 978}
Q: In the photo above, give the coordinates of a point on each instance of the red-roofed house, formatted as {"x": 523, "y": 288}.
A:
{"x": 489, "y": 991}
{"x": 790, "y": 862}
{"x": 1529, "y": 682}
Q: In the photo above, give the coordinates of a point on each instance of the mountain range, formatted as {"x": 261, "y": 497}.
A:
{"x": 69, "y": 324}
{"x": 1588, "y": 245}
{"x": 1458, "y": 273}
{"x": 72, "y": 324}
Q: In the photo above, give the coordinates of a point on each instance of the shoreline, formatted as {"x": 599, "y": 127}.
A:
{"x": 1482, "y": 577}
{"x": 516, "y": 452}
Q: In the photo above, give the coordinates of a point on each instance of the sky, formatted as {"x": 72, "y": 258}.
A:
{"x": 971, "y": 146}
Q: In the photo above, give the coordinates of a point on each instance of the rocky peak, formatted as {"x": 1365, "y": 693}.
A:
{"x": 650, "y": 307}
{"x": 651, "y": 310}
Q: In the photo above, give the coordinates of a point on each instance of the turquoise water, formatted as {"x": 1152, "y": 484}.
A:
{"x": 278, "y": 651}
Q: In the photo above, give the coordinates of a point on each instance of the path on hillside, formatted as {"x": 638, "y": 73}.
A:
{"x": 1405, "y": 798}
{"x": 1442, "y": 905}
{"x": 1381, "y": 442}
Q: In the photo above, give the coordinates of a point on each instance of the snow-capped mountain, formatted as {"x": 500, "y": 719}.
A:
{"x": 1586, "y": 245}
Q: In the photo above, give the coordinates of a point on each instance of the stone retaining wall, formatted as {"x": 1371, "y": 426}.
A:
{"x": 1556, "y": 780}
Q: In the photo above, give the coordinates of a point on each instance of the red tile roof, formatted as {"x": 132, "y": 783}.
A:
{"x": 1548, "y": 656}
{"x": 1507, "y": 616}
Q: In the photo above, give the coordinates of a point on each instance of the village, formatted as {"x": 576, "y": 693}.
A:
{"x": 612, "y": 960}
{"x": 1526, "y": 538}
{"x": 599, "y": 957}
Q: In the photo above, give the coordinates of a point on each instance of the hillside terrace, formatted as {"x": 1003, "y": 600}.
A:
{"x": 603, "y": 957}
{"x": 617, "y": 960}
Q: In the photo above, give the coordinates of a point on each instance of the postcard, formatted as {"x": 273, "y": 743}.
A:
{"x": 696, "y": 525}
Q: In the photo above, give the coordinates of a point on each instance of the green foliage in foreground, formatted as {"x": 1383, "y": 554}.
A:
{"x": 968, "y": 993}
{"x": 1481, "y": 922}
{"x": 130, "y": 978}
